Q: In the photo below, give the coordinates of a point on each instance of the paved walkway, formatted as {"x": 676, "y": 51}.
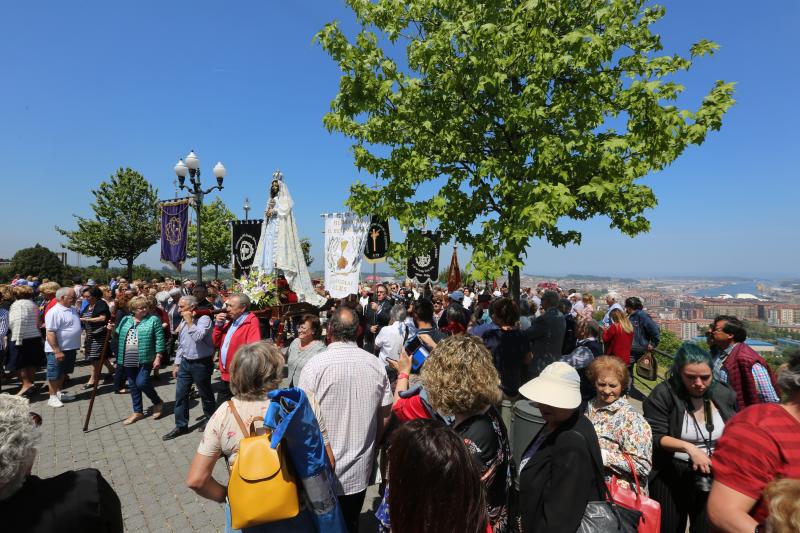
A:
{"x": 147, "y": 473}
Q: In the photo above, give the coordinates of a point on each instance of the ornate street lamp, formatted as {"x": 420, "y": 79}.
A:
{"x": 191, "y": 166}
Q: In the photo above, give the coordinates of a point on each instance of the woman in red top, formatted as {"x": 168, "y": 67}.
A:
{"x": 619, "y": 336}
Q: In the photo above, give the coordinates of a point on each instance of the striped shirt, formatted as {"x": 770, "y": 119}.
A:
{"x": 351, "y": 386}
{"x": 766, "y": 392}
{"x": 759, "y": 444}
{"x": 23, "y": 320}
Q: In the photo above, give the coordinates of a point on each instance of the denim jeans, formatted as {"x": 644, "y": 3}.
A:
{"x": 196, "y": 371}
{"x": 138, "y": 383}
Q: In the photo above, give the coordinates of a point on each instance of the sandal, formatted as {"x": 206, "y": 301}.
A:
{"x": 121, "y": 391}
{"x": 135, "y": 417}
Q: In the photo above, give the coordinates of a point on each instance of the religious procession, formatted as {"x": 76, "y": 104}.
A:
{"x": 440, "y": 398}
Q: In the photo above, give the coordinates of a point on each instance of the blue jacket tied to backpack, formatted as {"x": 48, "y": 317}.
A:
{"x": 291, "y": 419}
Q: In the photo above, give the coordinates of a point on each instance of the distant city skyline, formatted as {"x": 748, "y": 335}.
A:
{"x": 139, "y": 85}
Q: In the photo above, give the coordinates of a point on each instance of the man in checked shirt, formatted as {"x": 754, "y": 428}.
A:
{"x": 354, "y": 394}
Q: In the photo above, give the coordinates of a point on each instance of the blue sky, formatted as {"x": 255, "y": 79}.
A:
{"x": 91, "y": 87}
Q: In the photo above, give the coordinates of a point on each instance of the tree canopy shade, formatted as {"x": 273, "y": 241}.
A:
{"x": 215, "y": 234}
{"x": 37, "y": 261}
{"x": 523, "y": 113}
{"x": 125, "y": 220}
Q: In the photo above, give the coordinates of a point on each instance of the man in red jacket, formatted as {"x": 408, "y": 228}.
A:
{"x": 233, "y": 328}
{"x": 738, "y": 365}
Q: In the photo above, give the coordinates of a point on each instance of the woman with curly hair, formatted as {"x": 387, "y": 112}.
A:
{"x": 461, "y": 383}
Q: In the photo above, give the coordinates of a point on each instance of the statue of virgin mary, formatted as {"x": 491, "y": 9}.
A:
{"x": 279, "y": 250}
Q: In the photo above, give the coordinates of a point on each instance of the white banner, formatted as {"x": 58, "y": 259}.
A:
{"x": 345, "y": 237}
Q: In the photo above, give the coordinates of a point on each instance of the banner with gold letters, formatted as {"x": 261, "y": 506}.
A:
{"x": 174, "y": 232}
{"x": 345, "y": 237}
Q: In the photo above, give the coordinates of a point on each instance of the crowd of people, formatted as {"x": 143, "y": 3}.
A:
{"x": 417, "y": 386}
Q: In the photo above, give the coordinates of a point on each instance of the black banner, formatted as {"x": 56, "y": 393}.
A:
{"x": 244, "y": 241}
{"x": 378, "y": 240}
{"x": 425, "y": 267}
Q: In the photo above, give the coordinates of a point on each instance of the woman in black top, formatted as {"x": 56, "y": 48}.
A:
{"x": 461, "y": 382}
{"x": 511, "y": 351}
{"x": 94, "y": 319}
{"x": 687, "y": 413}
{"x": 559, "y": 471}
{"x": 76, "y": 500}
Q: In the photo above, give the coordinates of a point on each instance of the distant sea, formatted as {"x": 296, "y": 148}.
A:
{"x": 732, "y": 289}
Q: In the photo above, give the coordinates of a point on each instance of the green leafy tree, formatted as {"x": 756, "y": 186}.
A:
{"x": 216, "y": 236}
{"x": 517, "y": 115}
{"x": 37, "y": 261}
{"x": 125, "y": 222}
{"x": 669, "y": 342}
{"x": 305, "y": 244}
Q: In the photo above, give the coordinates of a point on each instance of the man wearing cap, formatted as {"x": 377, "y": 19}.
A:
{"x": 560, "y": 470}
{"x": 456, "y": 300}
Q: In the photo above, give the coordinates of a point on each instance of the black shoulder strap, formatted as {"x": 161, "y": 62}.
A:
{"x": 598, "y": 469}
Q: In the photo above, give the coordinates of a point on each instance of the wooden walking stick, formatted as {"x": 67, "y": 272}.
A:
{"x": 96, "y": 372}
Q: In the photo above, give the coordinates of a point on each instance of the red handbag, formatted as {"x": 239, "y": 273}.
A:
{"x": 634, "y": 499}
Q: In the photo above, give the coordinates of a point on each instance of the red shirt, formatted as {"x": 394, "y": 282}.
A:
{"x": 406, "y": 409}
{"x": 618, "y": 342}
{"x": 759, "y": 444}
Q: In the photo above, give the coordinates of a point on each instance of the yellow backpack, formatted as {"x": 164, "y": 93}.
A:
{"x": 261, "y": 488}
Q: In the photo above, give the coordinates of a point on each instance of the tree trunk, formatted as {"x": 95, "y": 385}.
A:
{"x": 216, "y": 271}
{"x": 130, "y": 269}
{"x": 513, "y": 284}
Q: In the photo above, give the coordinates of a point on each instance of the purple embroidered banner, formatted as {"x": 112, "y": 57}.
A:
{"x": 174, "y": 232}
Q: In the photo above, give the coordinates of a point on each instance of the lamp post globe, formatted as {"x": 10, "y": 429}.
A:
{"x": 192, "y": 161}
{"x": 181, "y": 170}
{"x": 191, "y": 165}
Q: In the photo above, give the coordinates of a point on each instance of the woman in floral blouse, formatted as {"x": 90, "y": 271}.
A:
{"x": 620, "y": 428}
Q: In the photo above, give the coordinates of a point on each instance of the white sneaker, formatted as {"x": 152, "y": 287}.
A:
{"x": 54, "y": 402}
{"x": 58, "y": 394}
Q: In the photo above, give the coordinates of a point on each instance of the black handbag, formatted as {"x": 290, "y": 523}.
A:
{"x": 606, "y": 516}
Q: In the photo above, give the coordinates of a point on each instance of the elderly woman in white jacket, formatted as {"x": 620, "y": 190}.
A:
{"x": 26, "y": 349}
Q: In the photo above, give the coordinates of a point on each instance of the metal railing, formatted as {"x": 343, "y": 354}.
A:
{"x": 659, "y": 378}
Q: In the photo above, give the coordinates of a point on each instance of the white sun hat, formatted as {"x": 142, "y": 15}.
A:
{"x": 559, "y": 385}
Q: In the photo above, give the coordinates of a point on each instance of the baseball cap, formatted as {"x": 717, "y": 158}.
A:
{"x": 457, "y": 296}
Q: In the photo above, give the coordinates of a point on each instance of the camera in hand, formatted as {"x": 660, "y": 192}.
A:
{"x": 702, "y": 482}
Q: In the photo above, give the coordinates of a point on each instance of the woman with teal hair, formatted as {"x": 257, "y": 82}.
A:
{"x": 687, "y": 414}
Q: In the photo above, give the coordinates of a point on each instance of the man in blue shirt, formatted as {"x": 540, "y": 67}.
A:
{"x": 193, "y": 364}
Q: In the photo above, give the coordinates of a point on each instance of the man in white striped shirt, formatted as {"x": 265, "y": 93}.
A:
{"x": 354, "y": 394}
